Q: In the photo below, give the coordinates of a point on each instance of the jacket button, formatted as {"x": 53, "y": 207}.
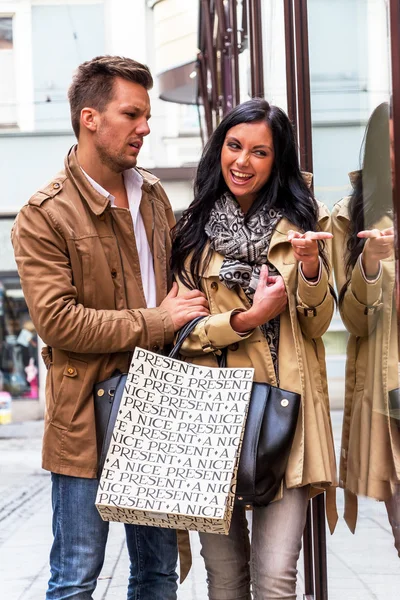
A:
{"x": 234, "y": 347}
{"x": 214, "y": 285}
{"x": 155, "y": 348}
{"x": 56, "y": 185}
{"x": 71, "y": 371}
{"x": 113, "y": 273}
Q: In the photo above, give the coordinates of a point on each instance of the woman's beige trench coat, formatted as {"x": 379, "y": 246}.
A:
{"x": 301, "y": 355}
{"x": 370, "y": 452}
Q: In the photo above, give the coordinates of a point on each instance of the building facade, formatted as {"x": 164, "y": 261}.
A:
{"x": 41, "y": 44}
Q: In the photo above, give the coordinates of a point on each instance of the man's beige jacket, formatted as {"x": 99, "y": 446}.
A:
{"x": 80, "y": 273}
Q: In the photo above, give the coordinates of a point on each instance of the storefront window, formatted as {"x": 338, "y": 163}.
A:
{"x": 18, "y": 338}
{"x": 349, "y": 50}
{"x": 274, "y": 58}
{"x": 6, "y": 33}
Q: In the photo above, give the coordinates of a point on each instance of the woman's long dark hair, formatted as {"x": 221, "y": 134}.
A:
{"x": 372, "y": 195}
{"x": 285, "y": 190}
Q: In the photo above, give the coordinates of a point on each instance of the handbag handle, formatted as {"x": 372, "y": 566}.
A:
{"x": 184, "y": 332}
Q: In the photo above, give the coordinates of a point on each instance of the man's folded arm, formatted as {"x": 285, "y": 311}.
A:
{"x": 44, "y": 267}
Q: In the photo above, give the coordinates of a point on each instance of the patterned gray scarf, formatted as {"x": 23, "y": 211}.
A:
{"x": 245, "y": 248}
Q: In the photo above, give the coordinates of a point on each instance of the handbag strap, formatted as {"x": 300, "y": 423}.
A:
{"x": 183, "y": 333}
{"x": 222, "y": 358}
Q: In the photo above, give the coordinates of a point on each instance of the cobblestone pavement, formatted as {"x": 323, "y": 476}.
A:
{"x": 361, "y": 567}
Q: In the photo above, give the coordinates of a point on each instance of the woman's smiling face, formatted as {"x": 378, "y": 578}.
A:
{"x": 247, "y": 159}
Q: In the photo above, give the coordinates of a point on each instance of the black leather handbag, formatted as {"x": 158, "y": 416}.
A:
{"x": 268, "y": 437}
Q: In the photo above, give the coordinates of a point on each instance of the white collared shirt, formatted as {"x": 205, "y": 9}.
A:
{"x": 133, "y": 185}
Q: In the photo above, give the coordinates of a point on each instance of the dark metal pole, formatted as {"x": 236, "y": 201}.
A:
{"x": 306, "y": 162}
{"x": 235, "y": 50}
{"x": 299, "y": 91}
{"x": 319, "y": 536}
{"x": 303, "y": 85}
{"x": 207, "y": 17}
{"x": 308, "y": 556}
{"x": 245, "y": 24}
{"x": 224, "y": 46}
{"x": 203, "y": 92}
{"x": 291, "y": 90}
{"x": 257, "y": 71}
{"x": 290, "y": 62}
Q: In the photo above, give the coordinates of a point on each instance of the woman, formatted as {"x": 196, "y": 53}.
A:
{"x": 252, "y": 241}
{"x": 365, "y": 276}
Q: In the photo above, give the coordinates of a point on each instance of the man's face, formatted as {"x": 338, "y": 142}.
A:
{"x": 122, "y": 126}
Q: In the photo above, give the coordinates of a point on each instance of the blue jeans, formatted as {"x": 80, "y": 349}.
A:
{"x": 80, "y": 537}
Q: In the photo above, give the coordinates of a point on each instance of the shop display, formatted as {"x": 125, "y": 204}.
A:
{"x": 18, "y": 344}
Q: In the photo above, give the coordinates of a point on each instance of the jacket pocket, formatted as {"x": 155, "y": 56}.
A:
{"x": 69, "y": 393}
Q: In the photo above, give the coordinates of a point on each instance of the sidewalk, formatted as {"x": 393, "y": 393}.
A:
{"x": 361, "y": 567}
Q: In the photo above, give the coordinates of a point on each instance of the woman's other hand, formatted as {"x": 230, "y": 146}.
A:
{"x": 269, "y": 301}
{"x": 379, "y": 245}
{"x": 306, "y": 251}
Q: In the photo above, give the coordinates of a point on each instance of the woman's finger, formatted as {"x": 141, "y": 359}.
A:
{"x": 294, "y": 235}
{"x": 272, "y": 279}
{"x": 303, "y": 243}
{"x": 318, "y": 235}
{"x": 369, "y": 234}
{"x": 388, "y": 232}
{"x": 263, "y": 279}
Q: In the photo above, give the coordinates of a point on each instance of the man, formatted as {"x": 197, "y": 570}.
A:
{"x": 92, "y": 249}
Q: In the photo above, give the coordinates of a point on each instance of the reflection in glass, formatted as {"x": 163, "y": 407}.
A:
{"x": 365, "y": 276}
{"x": 6, "y": 33}
{"x": 18, "y": 348}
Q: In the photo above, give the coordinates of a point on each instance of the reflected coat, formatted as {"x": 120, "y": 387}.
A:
{"x": 370, "y": 452}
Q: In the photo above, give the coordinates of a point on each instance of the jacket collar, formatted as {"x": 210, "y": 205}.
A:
{"x": 97, "y": 202}
{"x": 148, "y": 178}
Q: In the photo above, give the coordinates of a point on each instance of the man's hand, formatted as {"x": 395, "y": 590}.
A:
{"x": 379, "y": 245}
{"x": 186, "y": 307}
{"x": 269, "y": 301}
{"x": 306, "y": 251}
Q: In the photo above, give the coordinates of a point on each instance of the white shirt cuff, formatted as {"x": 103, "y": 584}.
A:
{"x": 368, "y": 279}
{"x": 314, "y": 281}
